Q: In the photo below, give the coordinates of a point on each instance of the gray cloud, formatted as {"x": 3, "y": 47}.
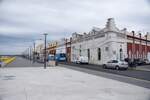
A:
{"x": 30, "y": 18}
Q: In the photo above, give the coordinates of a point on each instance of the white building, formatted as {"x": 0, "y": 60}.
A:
{"x": 100, "y": 45}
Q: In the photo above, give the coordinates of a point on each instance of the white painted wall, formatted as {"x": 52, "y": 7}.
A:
{"x": 110, "y": 41}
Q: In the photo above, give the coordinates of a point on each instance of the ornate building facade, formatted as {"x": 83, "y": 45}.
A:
{"x": 102, "y": 45}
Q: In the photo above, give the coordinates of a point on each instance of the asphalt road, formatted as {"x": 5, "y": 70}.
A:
{"x": 137, "y": 74}
{"x": 22, "y": 62}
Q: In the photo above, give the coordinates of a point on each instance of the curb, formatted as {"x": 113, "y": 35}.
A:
{"x": 142, "y": 69}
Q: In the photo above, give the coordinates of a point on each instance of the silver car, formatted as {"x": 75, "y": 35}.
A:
{"x": 116, "y": 64}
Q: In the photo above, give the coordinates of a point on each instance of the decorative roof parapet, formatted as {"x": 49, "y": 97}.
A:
{"x": 110, "y": 26}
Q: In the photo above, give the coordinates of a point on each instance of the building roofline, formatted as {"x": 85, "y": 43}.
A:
{"x": 137, "y": 38}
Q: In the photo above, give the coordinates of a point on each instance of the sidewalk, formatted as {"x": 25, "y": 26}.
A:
{"x": 59, "y": 83}
{"x": 143, "y": 68}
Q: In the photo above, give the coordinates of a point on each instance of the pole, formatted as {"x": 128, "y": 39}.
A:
{"x": 133, "y": 47}
{"x": 33, "y": 52}
{"x": 146, "y": 45}
{"x": 30, "y": 52}
{"x": 140, "y": 47}
{"x": 45, "y": 34}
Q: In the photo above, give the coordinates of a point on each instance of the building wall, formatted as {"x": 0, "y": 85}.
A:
{"x": 68, "y": 54}
{"x": 113, "y": 43}
{"x": 64, "y": 46}
{"x": 137, "y": 47}
{"x": 61, "y": 49}
{"x": 110, "y": 46}
{"x": 141, "y": 50}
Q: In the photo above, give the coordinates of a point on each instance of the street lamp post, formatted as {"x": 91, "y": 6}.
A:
{"x": 45, "y": 34}
{"x": 30, "y": 52}
{"x": 34, "y": 52}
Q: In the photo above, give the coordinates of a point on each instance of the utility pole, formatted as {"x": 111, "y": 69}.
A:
{"x": 133, "y": 46}
{"x": 30, "y": 52}
{"x": 45, "y": 34}
{"x": 140, "y": 47}
{"x": 146, "y": 45}
{"x": 34, "y": 52}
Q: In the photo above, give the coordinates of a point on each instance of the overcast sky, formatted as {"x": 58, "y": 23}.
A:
{"x": 22, "y": 21}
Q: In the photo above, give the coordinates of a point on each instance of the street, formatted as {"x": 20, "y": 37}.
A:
{"x": 106, "y": 74}
{"x": 139, "y": 74}
{"x": 22, "y": 62}
{"x": 67, "y": 83}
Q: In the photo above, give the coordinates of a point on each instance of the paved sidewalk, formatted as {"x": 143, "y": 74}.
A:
{"x": 58, "y": 83}
{"x": 143, "y": 68}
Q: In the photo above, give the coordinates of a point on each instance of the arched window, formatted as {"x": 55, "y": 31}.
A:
{"x": 121, "y": 54}
{"x": 99, "y": 53}
{"x": 80, "y": 50}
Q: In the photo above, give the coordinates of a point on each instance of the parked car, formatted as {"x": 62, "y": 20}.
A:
{"x": 60, "y": 57}
{"x": 146, "y": 61}
{"x": 51, "y": 57}
{"x": 139, "y": 61}
{"x": 82, "y": 60}
{"x": 130, "y": 62}
{"x": 116, "y": 64}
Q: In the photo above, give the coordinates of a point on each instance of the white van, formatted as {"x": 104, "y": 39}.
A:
{"x": 82, "y": 60}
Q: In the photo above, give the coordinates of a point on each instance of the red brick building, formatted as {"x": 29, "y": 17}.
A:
{"x": 137, "y": 46}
